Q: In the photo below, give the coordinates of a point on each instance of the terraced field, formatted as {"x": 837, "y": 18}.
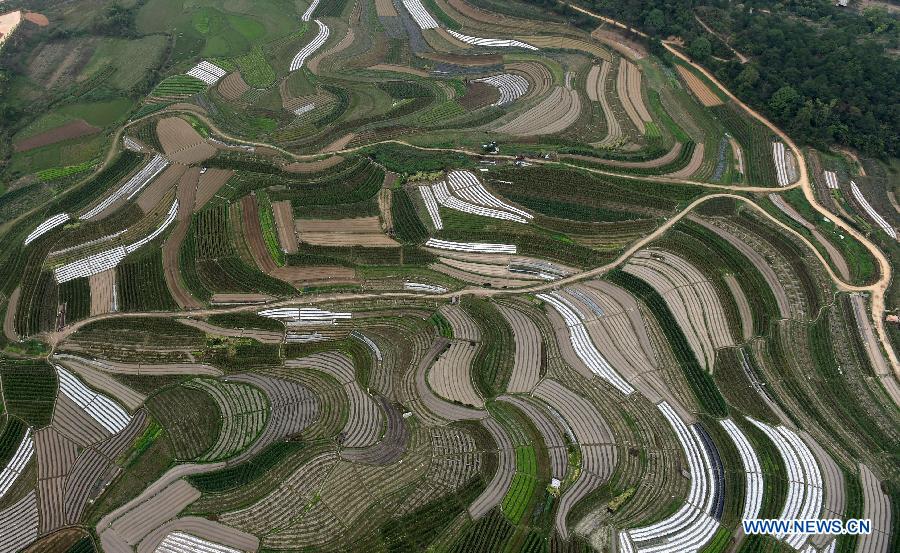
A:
{"x": 432, "y": 275}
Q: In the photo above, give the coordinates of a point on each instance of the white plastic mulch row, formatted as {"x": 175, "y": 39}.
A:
{"x": 310, "y": 48}
{"x": 511, "y": 87}
{"x": 804, "y": 497}
{"x": 46, "y": 227}
{"x": 134, "y": 185}
{"x": 132, "y": 144}
{"x": 467, "y": 186}
{"x": 373, "y": 347}
{"x": 207, "y": 72}
{"x": 105, "y": 260}
{"x": 752, "y": 470}
{"x": 470, "y": 247}
{"x": 90, "y": 265}
{"x": 307, "y": 15}
{"x": 831, "y": 180}
{"x": 16, "y": 465}
{"x": 170, "y": 217}
{"x": 432, "y": 207}
{"x": 100, "y": 408}
{"x": 182, "y": 542}
{"x": 304, "y": 109}
{"x": 443, "y": 196}
{"x": 496, "y": 42}
{"x": 421, "y": 16}
{"x": 691, "y": 527}
{"x": 427, "y": 288}
{"x": 779, "y": 154}
{"x": 583, "y": 345}
{"x": 879, "y": 220}
{"x": 303, "y": 315}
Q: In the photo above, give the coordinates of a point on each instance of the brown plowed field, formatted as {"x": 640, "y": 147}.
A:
{"x": 253, "y": 234}
{"x": 467, "y": 61}
{"x": 479, "y": 95}
{"x": 9, "y": 320}
{"x": 698, "y": 87}
{"x": 619, "y": 42}
{"x": 385, "y": 8}
{"x": 298, "y": 276}
{"x": 153, "y": 194}
{"x": 385, "y": 196}
{"x": 181, "y": 142}
{"x": 233, "y": 86}
{"x": 693, "y": 165}
{"x": 313, "y": 166}
{"x": 552, "y": 115}
{"x": 209, "y": 183}
{"x": 566, "y": 43}
{"x": 399, "y": 69}
{"x": 187, "y": 188}
{"x": 537, "y": 74}
{"x": 38, "y": 19}
{"x": 340, "y": 143}
{"x": 240, "y": 298}
{"x": 345, "y": 43}
{"x": 284, "y": 222}
{"x": 362, "y": 231}
{"x": 102, "y": 298}
{"x": 75, "y": 129}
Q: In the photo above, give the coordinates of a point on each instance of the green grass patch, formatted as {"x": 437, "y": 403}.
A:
{"x": 270, "y": 233}
{"x": 56, "y": 173}
{"x": 255, "y": 70}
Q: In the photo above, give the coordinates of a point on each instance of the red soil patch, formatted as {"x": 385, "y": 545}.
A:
{"x": 75, "y": 129}
{"x": 38, "y": 19}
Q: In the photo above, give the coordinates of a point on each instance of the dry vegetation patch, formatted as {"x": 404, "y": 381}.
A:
{"x": 706, "y": 96}
{"x": 181, "y": 142}
{"x": 74, "y": 129}
{"x": 362, "y": 231}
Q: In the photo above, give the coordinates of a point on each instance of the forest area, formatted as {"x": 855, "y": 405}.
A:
{"x": 827, "y": 75}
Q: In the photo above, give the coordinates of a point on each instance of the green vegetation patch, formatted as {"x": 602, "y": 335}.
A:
{"x": 191, "y": 419}
{"x": 29, "y": 388}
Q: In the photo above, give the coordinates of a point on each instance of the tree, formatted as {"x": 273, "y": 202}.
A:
{"x": 784, "y": 102}
{"x": 700, "y": 48}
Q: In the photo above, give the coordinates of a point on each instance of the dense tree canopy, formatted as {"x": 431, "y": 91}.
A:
{"x": 822, "y": 73}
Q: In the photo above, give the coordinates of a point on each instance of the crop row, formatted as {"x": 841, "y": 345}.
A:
{"x": 408, "y": 228}
{"x": 141, "y": 284}
{"x": 755, "y": 139}
{"x": 267, "y": 222}
{"x": 700, "y": 381}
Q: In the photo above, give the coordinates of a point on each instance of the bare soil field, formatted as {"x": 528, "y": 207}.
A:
{"x": 466, "y": 61}
{"x": 181, "y": 142}
{"x": 345, "y": 43}
{"x": 618, "y": 41}
{"x": 313, "y": 274}
{"x": 229, "y": 299}
{"x": 738, "y": 154}
{"x": 187, "y": 190}
{"x": 693, "y": 165}
{"x": 340, "y": 143}
{"x": 253, "y": 236}
{"x": 554, "y": 114}
{"x": 38, "y": 19}
{"x": 313, "y": 166}
{"x": 385, "y": 196}
{"x": 596, "y": 89}
{"x": 102, "y": 292}
{"x": 9, "y": 319}
{"x": 567, "y": 43}
{"x": 61, "y": 61}
{"x": 537, "y": 75}
{"x": 208, "y": 185}
{"x": 479, "y": 95}
{"x": 628, "y": 87}
{"x": 698, "y": 87}
{"x": 75, "y": 129}
{"x": 153, "y": 194}
{"x": 284, "y": 222}
{"x": 398, "y": 69}
{"x": 232, "y": 87}
{"x": 362, "y": 231}
{"x": 385, "y": 8}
